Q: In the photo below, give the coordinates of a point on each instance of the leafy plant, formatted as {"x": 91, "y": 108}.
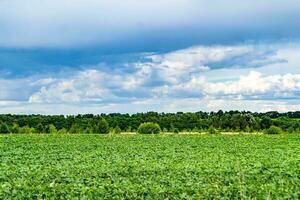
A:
{"x": 103, "y": 127}
{"x": 117, "y": 130}
{"x": 52, "y": 129}
{"x": 273, "y": 130}
{"x": 4, "y": 128}
{"x": 62, "y": 131}
{"x": 212, "y": 130}
{"x": 149, "y": 128}
{"x": 141, "y": 167}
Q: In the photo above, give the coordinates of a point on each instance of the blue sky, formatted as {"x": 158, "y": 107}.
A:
{"x": 94, "y": 56}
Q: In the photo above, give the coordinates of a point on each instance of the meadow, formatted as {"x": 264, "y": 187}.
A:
{"x": 150, "y": 166}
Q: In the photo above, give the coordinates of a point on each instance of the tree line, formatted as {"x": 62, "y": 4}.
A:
{"x": 231, "y": 121}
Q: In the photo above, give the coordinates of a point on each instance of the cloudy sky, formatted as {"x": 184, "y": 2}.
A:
{"x": 96, "y": 56}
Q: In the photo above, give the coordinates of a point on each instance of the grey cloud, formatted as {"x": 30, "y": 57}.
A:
{"x": 142, "y": 23}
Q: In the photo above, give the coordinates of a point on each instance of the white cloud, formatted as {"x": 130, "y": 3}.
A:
{"x": 84, "y": 86}
{"x": 254, "y": 84}
{"x": 175, "y": 67}
{"x": 167, "y": 82}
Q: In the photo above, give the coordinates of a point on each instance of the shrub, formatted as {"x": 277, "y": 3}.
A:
{"x": 173, "y": 129}
{"x": 128, "y": 129}
{"x": 88, "y": 130}
{"x": 195, "y": 130}
{"x": 212, "y": 130}
{"x": 62, "y": 131}
{"x": 26, "y": 130}
{"x": 291, "y": 130}
{"x": 149, "y": 128}
{"x": 117, "y": 130}
{"x": 273, "y": 130}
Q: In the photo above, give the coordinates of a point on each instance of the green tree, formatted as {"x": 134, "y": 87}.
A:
{"x": 4, "y": 128}
{"x": 266, "y": 122}
{"x": 52, "y": 129}
{"x": 14, "y": 128}
{"x": 39, "y": 128}
{"x": 75, "y": 129}
{"x": 103, "y": 126}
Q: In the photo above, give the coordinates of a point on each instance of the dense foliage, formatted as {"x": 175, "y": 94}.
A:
{"x": 273, "y": 130}
{"x": 142, "y": 167}
{"x": 149, "y": 128}
{"x": 169, "y": 122}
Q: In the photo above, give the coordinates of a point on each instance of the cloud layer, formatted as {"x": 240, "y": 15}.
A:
{"x": 144, "y": 25}
{"x": 254, "y": 77}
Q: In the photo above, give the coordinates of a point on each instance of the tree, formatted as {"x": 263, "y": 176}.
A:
{"x": 52, "y": 129}
{"x": 75, "y": 129}
{"x": 4, "y": 128}
{"x": 149, "y": 128}
{"x": 266, "y": 122}
{"x": 14, "y": 128}
{"x": 103, "y": 126}
{"x": 39, "y": 128}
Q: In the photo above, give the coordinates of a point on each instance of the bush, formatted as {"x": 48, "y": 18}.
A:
{"x": 291, "y": 130}
{"x": 26, "y": 130}
{"x": 212, "y": 130}
{"x": 128, "y": 129}
{"x": 62, "y": 131}
{"x": 88, "y": 130}
{"x": 273, "y": 130}
{"x": 149, "y": 128}
{"x": 117, "y": 130}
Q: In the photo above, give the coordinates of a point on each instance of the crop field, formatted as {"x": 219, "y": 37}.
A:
{"x": 150, "y": 167}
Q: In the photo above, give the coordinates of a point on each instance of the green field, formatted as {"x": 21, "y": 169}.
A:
{"x": 149, "y": 167}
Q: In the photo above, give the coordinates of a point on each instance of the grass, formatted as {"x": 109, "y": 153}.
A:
{"x": 149, "y": 167}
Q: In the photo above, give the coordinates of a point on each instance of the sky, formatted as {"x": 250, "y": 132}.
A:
{"x": 96, "y": 56}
